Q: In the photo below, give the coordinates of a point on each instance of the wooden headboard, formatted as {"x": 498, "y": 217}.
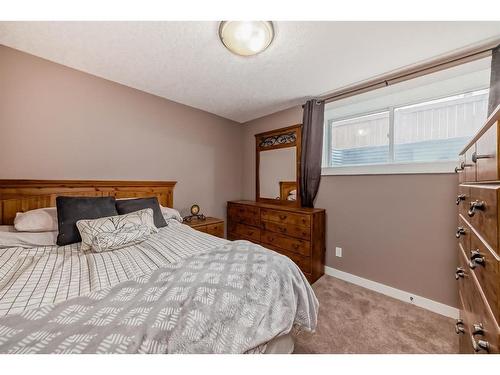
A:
{"x": 23, "y": 195}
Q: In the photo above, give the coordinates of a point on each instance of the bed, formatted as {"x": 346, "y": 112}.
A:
{"x": 179, "y": 291}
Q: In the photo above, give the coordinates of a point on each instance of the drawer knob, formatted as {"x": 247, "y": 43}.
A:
{"x": 459, "y": 273}
{"x": 476, "y": 205}
{"x": 282, "y": 217}
{"x": 459, "y": 327}
{"x": 460, "y": 197}
{"x": 460, "y": 231}
{"x": 480, "y": 345}
{"x": 476, "y": 258}
{"x": 477, "y": 329}
{"x": 476, "y": 157}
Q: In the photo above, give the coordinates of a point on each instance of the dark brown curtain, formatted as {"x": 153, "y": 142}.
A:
{"x": 494, "y": 99}
{"x": 312, "y": 148}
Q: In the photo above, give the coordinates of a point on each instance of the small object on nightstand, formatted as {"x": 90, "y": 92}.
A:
{"x": 210, "y": 225}
{"x": 195, "y": 214}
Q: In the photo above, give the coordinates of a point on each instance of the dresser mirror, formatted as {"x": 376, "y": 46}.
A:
{"x": 278, "y": 166}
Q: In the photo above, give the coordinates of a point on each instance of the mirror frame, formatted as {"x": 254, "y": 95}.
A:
{"x": 290, "y": 136}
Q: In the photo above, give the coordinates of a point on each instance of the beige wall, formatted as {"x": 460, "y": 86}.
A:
{"x": 394, "y": 229}
{"x": 59, "y": 123}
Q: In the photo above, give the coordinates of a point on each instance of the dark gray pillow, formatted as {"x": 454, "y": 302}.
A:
{"x": 72, "y": 209}
{"x": 126, "y": 206}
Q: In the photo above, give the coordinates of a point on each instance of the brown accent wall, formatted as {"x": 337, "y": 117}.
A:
{"x": 394, "y": 229}
{"x": 60, "y": 123}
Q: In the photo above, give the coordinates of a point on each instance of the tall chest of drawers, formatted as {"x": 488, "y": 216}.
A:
{"x": 478, "y": 237}
{"x": 298, "y": 233}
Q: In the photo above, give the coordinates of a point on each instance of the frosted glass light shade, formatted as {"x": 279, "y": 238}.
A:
{"x": 246, "y": 38}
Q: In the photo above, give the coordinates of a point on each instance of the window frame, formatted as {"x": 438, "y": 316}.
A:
{"x": 392, "y": 167}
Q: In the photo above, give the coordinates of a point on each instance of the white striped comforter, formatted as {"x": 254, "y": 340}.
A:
{"x": 31, "y": 278}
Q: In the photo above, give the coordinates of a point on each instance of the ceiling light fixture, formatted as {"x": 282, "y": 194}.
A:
{"x": 246, "y": 38}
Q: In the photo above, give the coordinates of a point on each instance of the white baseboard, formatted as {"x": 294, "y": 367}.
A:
{"x": 428, "y": 304}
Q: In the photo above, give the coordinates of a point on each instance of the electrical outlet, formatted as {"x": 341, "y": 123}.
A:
{"x": 338, "y": 252}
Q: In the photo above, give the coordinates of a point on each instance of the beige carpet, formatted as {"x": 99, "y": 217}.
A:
{"x": 353, "y": 319}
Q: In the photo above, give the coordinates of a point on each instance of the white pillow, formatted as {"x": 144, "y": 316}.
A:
{"x": 9, "y": 237}
{"x": 114, "y": 232}
{"x": 39, "y": 220}
{"x": 171, "y": 213}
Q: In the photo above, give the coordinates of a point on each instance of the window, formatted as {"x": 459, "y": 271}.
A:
{"x": 417, "y": 126}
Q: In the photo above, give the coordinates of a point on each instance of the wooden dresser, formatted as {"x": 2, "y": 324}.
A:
{"x": 298, "y": 233}
{"x": 478, "y": 236}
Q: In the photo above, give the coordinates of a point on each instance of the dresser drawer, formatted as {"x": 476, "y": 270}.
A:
{"x": 216, "y": 229}
{"x": 231, "y": 236}
{"x": 463, "y": 277}
{"x": 482, "y": 325}
{"x": 460, "y": 168}
{"x": 485, "y": 156}
{"x": 293, "y": 245}
{"x": 483, "y": 213}
{"x": 485, "y": 267}
{"x": 303, "y": 262}
{"x": 465, "y": 292}
{"x": 296, "y": 231}
{"x": 238, "y": 237}
{"x": 462, "y": 329}
{"x": 469, "y": 171}
{"x": 201, "y": 228}
{"x": 463, "y": 199}
{"x": 463, "y": 233}
{"x": 248, "y": 232}
{"x": 285, "y": 217}
{"x": 244, "y": 214}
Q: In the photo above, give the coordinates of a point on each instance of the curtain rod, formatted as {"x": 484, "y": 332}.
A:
{"x": 449, "y": 61}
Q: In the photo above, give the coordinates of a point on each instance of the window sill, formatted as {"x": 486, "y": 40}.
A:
{"x": 395, "y": 168}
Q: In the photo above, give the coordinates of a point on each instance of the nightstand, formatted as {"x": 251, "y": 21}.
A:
{"x": 210, "y": 225}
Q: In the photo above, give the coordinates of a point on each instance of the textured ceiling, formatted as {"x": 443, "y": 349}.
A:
{"x": 185, "y": 61}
